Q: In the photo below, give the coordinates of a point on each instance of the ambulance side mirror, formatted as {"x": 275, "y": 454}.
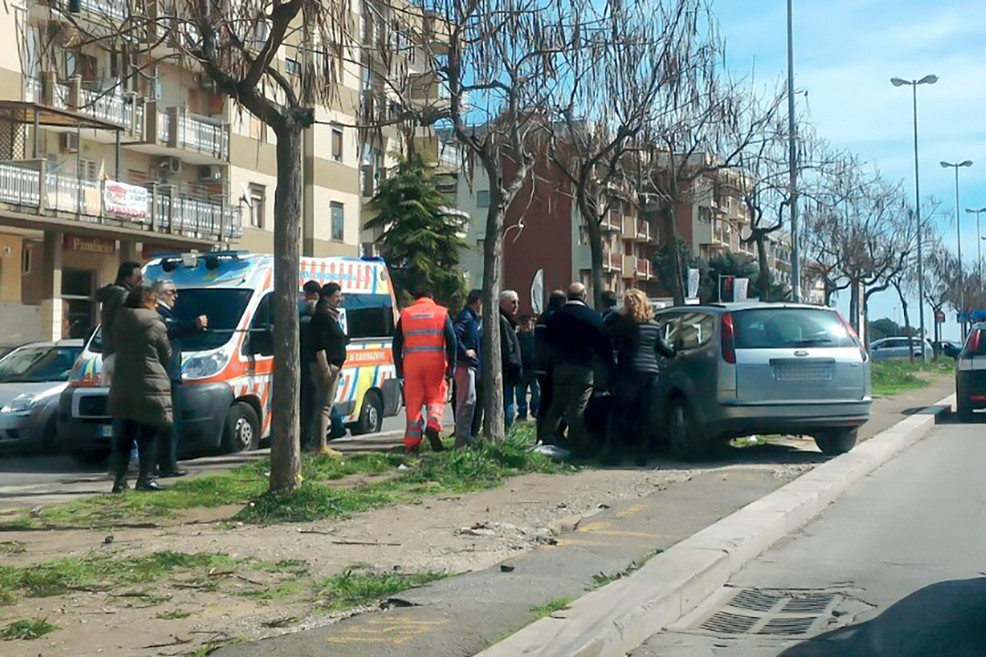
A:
{"x": 262, "y": 341}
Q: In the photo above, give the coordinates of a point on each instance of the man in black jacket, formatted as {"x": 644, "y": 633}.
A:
{"x": 542, "y": 351}
{"x": 329, "y": 342}
{"x": 312, "y": 291}
{"x": 178, "y": 330}
{"x": 510, "y": 356}
{"x": 577, "y": 340}
{"x": 467, "y": 360}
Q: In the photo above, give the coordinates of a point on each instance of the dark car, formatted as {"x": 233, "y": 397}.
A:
{"x": 970, "y": 374}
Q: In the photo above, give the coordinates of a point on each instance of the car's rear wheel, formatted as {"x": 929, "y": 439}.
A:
{"x": 242, "y": 430}
{"x": 684, "y": 435}
{"x": 836, "y": 441}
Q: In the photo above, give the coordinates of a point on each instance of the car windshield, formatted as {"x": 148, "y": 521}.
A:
{"x": 223, "y": 307}
{"x": 37, "y": 364}
{"x": 778, "y": 328}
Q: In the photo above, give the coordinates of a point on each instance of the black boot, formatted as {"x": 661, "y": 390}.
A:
{"x": 120, "y": 472}
{"x": 434, "y": 440}
{"x": 145, "y": 479}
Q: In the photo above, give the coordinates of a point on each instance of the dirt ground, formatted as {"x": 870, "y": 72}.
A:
{"x": 183, "y": 615}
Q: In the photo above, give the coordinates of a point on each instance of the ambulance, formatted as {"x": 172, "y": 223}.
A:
{"x": 227, "y": 369}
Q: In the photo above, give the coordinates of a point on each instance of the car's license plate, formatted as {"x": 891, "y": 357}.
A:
{"x": 106, "y": 430}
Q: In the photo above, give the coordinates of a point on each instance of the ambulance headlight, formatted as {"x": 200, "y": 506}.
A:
{"x": 202, "y": 366}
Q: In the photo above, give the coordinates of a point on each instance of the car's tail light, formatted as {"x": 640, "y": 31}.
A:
{"x": 974, "y": 341}
{"x": 855, "y": 338}
{"x": 728, "y": 339}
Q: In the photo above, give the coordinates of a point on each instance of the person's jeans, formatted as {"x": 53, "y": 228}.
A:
{"x": 132, "y": 433}
{"x": 167, "y": 441}
{"x": 529, "y": 383}
{"x": 465, "y": 404}
{"x": 509, "y": 405}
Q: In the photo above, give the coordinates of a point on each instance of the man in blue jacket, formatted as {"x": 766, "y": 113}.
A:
{"x": 178, "y": 330}
{"x": 467, "y": 367}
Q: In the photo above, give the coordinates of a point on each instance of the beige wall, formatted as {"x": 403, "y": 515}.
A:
{"x": 19, "y": 323}
{"x": 10, "y": 267}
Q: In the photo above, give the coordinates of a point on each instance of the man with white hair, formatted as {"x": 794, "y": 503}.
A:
{"x": 510, "y": 355}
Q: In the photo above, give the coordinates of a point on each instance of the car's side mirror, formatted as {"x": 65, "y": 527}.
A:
{"x": 262, "y": 341}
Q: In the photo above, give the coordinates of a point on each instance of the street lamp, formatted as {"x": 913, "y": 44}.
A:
{"x": 979, "y": 242}
{"x": 958, "y": 234}
{"x": 792, "y": 154}
{"x": 898, "y": 82}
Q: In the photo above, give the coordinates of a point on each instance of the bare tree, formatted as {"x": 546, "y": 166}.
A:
{"x": 940, "y": 278}
{"x": 626, "y": 57}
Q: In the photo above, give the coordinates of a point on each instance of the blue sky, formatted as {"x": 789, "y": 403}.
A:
{"x": 846, "y": 51}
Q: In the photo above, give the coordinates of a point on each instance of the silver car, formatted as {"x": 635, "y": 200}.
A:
{"x": 760, "y": 368}
{"x": 31, "y": 379}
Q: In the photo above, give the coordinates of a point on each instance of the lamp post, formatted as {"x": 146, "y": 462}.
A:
{"x": 913, "y": 84}
{"x": 958, "y": 236}
{"x": 979, "y": 240}
{"x": 792, "y": 146}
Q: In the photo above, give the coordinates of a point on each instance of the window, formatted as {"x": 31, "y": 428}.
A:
{"x": 694, "y": 330}
{"x": 38, "y": 364}
{"x": 669, "y": 326}
{"x": 26, "y": 252}
{"x": 369, "y": 316}
{"x": 258, "y": 206}
{"x": 483, "y": 198}
{"x": 77, "y": 292}
{"x": 338, "y": 222}
{"x": 790, "y": 327}
{"x": 87, "y": 170}
{"x": 337, "y": 143}
{"x": 292, "y": 66}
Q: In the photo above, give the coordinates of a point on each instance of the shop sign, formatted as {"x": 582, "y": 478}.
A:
{"x": 125, "y": 200}
{"x": 93, "y": 245}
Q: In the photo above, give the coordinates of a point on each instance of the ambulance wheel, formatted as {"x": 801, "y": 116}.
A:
{"x": 242, "y": 430}
{"x": 370, "y": 415}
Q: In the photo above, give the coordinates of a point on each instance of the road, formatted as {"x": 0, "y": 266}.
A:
{"x": 894, "y": 568}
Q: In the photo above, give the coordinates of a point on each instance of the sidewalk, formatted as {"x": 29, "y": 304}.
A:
{"x": 466, "y": 614}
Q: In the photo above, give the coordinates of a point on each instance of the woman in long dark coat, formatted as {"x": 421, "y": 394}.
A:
{"x": 140, "y": 392}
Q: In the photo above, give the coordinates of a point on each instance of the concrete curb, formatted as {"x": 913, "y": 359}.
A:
{"x": 617, "y": 618}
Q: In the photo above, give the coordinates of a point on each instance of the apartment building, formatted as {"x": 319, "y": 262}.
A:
{"x": 100, "y": 165}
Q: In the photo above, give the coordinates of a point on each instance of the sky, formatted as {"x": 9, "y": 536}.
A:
{"x": 846, "y": 51}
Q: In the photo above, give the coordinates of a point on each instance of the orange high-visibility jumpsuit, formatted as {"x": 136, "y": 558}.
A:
{"x": 424, "y": 353}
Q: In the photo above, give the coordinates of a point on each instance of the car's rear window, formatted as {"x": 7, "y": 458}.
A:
{"x": 778, "y": 328}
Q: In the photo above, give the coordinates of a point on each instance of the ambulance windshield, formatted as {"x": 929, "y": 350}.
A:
{"x": 223, "y": 306}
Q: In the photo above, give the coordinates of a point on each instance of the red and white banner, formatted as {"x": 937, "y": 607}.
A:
{"x": 125, "y": 200}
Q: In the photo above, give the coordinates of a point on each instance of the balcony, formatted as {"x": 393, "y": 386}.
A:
{"x": 177, "y": 128}
{"x": 613, "y": 262}
{"x": 110, "y": 105}
{"x": 645, "y": 270}
{"x": 636, "y": 230}
{"x": 29, "y": 186}
{"x": 630, "y": 263}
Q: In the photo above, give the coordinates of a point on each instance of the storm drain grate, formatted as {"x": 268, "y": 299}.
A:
{"x": 727, "y": 623}
{"x": 771, "y": 612}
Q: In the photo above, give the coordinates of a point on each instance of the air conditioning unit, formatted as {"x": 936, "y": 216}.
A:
{"x": 170, "y": 166}
{"x": 210, "y": 173}
{"x": 69, "y": 142}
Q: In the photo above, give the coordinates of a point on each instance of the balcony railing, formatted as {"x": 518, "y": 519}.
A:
{"x": 179, "y": 128}
{"x": 114, "y": 9}
{"x": 159, "y": 209}
{"x": 629, "y": 266}
{"x": 32, "y": 90}
{"x": 645, "y": 269}
{"x": 113, "y": 107}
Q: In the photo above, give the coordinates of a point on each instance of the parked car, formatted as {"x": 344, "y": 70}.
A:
{"x": 759, "y": 368}
{"x": 948, "y": 348}
{"x": 888, "y": 348}
{"x": 970, "y": 374}
{"x": 31, "y": 379}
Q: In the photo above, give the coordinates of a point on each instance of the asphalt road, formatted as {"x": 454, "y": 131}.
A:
{"x": 893, "y": 569}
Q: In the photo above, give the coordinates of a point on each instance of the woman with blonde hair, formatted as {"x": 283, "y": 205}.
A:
{"x": 639, "y": 342}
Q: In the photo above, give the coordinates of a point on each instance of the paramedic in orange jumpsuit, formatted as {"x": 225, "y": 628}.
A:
{"x": 424, "y": 356}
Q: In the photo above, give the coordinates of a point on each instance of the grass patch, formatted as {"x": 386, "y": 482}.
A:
{"x": 891, "y": 377}
{"x": 600, "y": 580}
{"x": 174, "y": 614}
{"x": 97, "y": 573}
{"x": 27, "y": 629}
{"x": 543, "y": 611}
{"x": 12, "y": 547}
{"x": 451, "y": 472}
{"x": 357, "y": 587}
{"x": 278, "y": 591}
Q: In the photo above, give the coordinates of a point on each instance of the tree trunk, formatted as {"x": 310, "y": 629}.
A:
{"x": 674, "y": 256}
{"x": 907, "y": 325}
{"x": 764, "y": 280}
{"x": 596, "y": 251}
{"x": 285, "y": 453}
{"x": 492, "y": 387}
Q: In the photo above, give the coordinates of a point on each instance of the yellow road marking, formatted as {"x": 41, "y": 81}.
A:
{"x": 631, "y": 511}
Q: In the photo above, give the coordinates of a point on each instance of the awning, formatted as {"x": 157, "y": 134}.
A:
{"x": 18, "y": 111}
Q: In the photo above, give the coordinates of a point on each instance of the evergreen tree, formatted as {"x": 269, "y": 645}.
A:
{"x": 422, "y": 235}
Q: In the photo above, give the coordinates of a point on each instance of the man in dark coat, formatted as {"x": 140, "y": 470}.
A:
{"x": 529, "y": 380}
{"x": 312, "y": 290}
{"x": 178, "y": 330}
{"x": 577, "y": 341}
{"x": 542, "y": 352}
{"x": 510, "y": 355}
{"x": 111, "y": 298}
{"x": 467, "y": 373}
